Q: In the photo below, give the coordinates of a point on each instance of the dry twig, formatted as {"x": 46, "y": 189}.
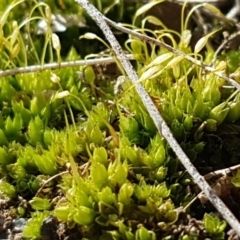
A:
{"x": 221, "y": 47}
{"x": 217, "y": 187}
{"x": 161, "y": 125}
{"x": 176, "y": 51}
{"x": 235, "y": 11}
{"x": 52, "y": 66}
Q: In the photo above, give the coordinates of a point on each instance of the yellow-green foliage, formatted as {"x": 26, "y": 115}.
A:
{"x": 119, "y": 178}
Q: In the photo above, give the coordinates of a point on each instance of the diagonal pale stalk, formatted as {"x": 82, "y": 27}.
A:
{"x": 176, "y": 51}
{"x": 157, "y": 118}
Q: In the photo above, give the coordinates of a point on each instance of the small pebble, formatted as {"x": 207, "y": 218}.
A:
{"x": 19, "y": 224}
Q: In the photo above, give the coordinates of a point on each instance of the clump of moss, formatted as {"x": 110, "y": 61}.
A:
{"x": 66, "y": 131}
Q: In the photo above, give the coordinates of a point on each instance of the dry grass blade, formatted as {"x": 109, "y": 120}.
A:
{"x": 52, "y": 66}
{"x": 221, "y": 47}
{"x": 157, "y": 118}
{"x": 176, "y": 51}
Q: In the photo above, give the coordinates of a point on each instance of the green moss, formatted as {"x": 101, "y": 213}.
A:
{"x": 118, "y": 177}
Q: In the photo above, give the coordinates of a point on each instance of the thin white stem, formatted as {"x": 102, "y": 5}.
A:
{"x": 221, "y": 47}
{"x": 52, "y": 66}
{"x": 221, "y": 172}
{"x": 176, "y": 51}
{"x": 161, "y": 125}
{"x": 235, "y": 11}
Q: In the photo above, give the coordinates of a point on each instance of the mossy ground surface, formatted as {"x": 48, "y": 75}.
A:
{"x": 80, "y": 157}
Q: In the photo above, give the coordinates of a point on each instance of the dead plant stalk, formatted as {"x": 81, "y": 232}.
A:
{"x": 161, "y": 125}
{"x": 52, "y": 66}
{"x": 176, "y": 51}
